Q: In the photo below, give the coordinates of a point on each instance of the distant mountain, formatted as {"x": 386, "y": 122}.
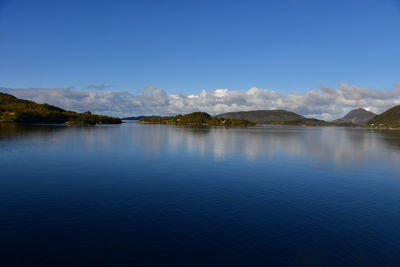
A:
{"x": 13, "y": 109}
{"x": 138, "y": 118}
{"x": 272, "y": 117}
{"x": 388, "y": 119}
{"x": 357, "y": 116}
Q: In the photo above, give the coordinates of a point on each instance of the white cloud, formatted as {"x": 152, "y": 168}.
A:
{"x": 325, "y": 103}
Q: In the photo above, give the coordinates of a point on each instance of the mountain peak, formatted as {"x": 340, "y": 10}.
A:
{"x": 358, "y": 116}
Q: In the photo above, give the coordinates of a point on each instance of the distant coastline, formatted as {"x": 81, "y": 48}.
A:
{"x": 360, "y": 118}
{"x": 13, "y": 109}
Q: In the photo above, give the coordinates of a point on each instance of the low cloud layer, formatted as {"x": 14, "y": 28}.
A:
{"x": 325, "y": 103}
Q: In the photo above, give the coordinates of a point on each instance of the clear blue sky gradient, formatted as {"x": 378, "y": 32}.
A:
{"x": 185, "y": 46}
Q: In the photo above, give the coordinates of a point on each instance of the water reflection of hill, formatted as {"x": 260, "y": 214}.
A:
{"x": 61, "y": 135}
{"x": 15, "y": 130}
{"x": 390, "y": 137}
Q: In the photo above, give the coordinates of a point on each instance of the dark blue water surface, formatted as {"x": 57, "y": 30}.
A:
{"x": 158, "y": 195}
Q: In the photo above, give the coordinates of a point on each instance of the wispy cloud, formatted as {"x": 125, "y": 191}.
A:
{"x": 325, "y": 103}
{"x": 97, "y": 86}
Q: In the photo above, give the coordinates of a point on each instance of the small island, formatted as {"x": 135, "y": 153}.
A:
{"x": 197, "y": 118}
{"x": 13, "y": 109}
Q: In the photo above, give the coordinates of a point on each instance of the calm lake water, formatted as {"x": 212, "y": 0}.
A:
{"x": 158, "y": 195}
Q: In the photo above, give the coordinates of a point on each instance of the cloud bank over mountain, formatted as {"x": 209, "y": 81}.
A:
{"x": 324, "y": 103}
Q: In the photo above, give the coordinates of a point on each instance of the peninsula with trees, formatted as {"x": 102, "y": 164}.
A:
{"x": 13, "y": 109}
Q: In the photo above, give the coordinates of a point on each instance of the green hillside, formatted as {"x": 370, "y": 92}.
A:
{"x": 13, "y": 109}
{"x": 388, "y": 119}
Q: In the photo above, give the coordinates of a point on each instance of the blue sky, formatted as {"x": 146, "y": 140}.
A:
{"x": 186, "y": 46}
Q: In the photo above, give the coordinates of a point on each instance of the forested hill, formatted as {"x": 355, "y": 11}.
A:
{"x": 13, "y": 109}
{"x": 388, "y": 119}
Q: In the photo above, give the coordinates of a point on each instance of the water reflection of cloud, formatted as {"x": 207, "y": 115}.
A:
{"x": 342, "y": 146}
